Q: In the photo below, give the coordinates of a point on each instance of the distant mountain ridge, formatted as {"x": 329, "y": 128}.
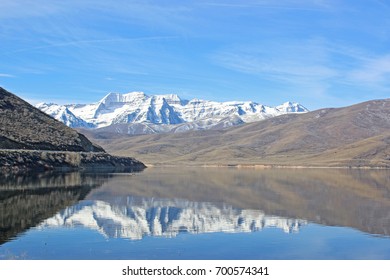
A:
{"x": 354, "y": 136}
{"x": 138, "y": 113}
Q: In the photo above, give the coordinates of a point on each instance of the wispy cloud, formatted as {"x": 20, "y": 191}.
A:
{"x": 67, "y": 33}
{"x": 373, "y": 71}
{"x": 309, "y": 5}
{"x": 3, "y": 75}
{"x": 220, "y": 47}
{"x": 143, "y": 11}
{"x": 83, "y": 43}
{"x": 25, "y": 8}
{"x": 297, "y": 63}
{"x": 313, "y": 67}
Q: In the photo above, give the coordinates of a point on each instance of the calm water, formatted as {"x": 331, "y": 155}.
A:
{"x": 214, "y": 213}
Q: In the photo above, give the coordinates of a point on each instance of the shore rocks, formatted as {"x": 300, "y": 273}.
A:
{"x": 34, "y": 160}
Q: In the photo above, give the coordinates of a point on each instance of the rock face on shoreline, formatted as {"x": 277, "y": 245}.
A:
{"x": 23, "y": 160}
{"x": 30, "y": 139}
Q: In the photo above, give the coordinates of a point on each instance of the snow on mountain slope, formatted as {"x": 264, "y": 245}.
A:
{"x": 63, "y": 114}
{"x": 163, "y": 113}
{"x": 134, "y": 218}
{"x": 291, "y": 107}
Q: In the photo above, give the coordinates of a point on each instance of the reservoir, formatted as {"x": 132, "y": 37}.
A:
{"x": 197, "y": 213}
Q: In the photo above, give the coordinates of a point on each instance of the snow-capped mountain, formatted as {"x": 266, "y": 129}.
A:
{"x": 134, "y": 218}
{"x": 138, "y": 113}
{"x": 63, "y": 114}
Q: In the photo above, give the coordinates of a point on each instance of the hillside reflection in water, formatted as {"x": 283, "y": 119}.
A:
{"x": 169, "y": 202}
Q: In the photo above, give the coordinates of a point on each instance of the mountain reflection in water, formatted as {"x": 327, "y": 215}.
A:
{"x": 28, "y": 199}
{"x": 357, "y": 199}
{"x": 169, "y": 201}
{"x": 134, "y": 218}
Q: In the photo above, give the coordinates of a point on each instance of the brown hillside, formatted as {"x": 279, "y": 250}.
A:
{"x": 23, "y": 126}
{"x": 357, "y": 135}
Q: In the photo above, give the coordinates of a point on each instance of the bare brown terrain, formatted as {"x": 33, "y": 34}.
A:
{"x": 22, "y": 126}
{"x": 354, "y": 136}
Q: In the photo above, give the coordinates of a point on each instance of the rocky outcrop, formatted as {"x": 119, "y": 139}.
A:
{"x": 22, "y": 160}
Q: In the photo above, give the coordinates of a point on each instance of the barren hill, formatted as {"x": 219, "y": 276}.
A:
{"x": 357, "y": 136}
{"x": 30, "y": 139}
{"x": 22, "y": 126}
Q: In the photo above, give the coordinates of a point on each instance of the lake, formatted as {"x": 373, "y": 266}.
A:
{"x": 197, "y": 213}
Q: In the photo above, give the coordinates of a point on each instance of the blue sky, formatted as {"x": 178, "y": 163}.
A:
{"x": 321, "y": 53}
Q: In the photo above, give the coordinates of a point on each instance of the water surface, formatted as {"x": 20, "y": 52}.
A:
{"x": 197, "y": 213}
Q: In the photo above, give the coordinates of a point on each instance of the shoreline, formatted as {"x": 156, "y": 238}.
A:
{"x": 40, "y": 160}
{"x": 264, "y": 166}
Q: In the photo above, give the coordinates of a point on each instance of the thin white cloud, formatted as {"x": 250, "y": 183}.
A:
{"x": 143, "y": 11}
{"x": 374, "y": 71}
{"x": 3, "y": 75}
{"x": 309, "y": 5}
{"x": 26, "y": 8}
{"x": 313, "y": 67}
{"x": 296, "y": 63}
{"x": 84, "y": 37}
{"x": 54, "y": 44}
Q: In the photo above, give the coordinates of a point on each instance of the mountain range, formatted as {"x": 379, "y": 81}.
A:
{"x": 212, "y": 133}
{"x": 138, "y": 113}
{"x": 353, "y": 136}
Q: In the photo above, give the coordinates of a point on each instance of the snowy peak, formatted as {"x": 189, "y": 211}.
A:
{"x": 173, "y": 99}
{"x": 110, "y": 98}
{"x": 291, "y": 107}
{"x": 164, "y": 113}
{"x": 117, "y": 98}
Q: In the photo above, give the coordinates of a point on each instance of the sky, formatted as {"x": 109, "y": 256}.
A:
{"x": 320, "y": 53}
